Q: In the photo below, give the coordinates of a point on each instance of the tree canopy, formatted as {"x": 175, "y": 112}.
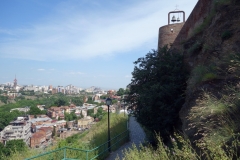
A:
{"x": 35, "y": 111}
{"x": 120, "y": 92}
{"x": 156, "y": 90}
{"x": 11, "y": 147}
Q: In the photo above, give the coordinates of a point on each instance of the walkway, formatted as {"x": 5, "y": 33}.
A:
{"x": 137, "y": 136}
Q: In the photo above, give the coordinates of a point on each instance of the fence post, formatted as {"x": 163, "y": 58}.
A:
{"x": 87, "y": 156}
{"x": 64, "y": 152}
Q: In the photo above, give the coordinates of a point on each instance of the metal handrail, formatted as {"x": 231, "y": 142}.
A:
{"x": 82, "y": 150}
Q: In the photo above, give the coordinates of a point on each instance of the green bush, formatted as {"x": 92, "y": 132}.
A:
{"x": 157, "y": 90}
{"x": 194, "y": 48}
{"x": 201, "y": 74}
{"x": 226, "y": 35}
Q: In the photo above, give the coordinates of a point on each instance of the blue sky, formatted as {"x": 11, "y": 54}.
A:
{"x": 80, "y": 42}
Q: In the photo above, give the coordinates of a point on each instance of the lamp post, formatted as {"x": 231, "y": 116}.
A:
{"x": 109, "y": 102}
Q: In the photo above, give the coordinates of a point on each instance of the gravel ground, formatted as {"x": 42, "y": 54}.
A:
{"x": 137, "y": 137}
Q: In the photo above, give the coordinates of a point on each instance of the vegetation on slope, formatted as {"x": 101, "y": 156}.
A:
{"x": 210, "y": 114}
{"x": 157, "y": 90}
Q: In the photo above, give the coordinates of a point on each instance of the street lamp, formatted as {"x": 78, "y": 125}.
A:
{"x": 108, "y": 102}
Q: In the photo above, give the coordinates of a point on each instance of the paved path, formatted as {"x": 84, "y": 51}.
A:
{"x": 137, "y": 136}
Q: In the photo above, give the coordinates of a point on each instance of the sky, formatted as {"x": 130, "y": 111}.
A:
{"x": 80, "y": 42}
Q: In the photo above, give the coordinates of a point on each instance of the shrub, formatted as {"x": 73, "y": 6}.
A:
{"x": 182, "y": 149}
{"x": 201, "y": 74}
{"x": 194, "y": 48}
{"x": 226, "y": 35}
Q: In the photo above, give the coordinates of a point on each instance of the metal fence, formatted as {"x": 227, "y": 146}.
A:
{"x": 99, "y": 152}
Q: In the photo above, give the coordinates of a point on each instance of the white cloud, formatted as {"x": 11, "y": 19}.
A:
{"x": 74, "y": 34}
{"x": 76, "y": 73}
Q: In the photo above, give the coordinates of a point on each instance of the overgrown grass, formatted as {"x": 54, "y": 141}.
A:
{"x": 207, "y": 21}
{"x": 216, "y": 121}
{"x": 201, "y": 74}
{"x": 86, "y": 141}
{"x": 194, "y": 48}
{"x": 231, "y": 65}
{"x": 182, "y": 150}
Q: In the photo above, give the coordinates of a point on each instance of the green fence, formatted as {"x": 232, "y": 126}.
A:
{"x": 100, "y": 152}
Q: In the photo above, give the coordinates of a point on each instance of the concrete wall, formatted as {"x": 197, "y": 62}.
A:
{"x": 167, "y": 34}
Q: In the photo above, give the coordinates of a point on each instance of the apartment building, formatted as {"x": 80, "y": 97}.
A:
{"x": 18, "y": 129}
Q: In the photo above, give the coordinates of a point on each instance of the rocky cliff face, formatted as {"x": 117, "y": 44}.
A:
{"x": 212, "y": 55}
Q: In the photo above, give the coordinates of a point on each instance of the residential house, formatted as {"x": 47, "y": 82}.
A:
{"x": 25, "y": 109}
{"x": 40, "y": 120}
{"x": 65, "y": 109}
{"x": 18, "y": 129}
{"x": 81, "y": 110}
{"x": 60, "y": 124}
{"x": 41, "y": 107}
{"x": 37, "y": 139}
{"x": 48, "y": 132}
{"x": 85, "y": 122}
{"x": 56, "y": 112}
{"x": 38, "y": 116}
{"x": 111, "y": 108}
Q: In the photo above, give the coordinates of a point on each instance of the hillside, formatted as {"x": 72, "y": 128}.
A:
{"x": 212, "y": 55}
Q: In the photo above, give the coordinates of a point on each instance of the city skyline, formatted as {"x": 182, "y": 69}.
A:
{"x": 79, "y": 42}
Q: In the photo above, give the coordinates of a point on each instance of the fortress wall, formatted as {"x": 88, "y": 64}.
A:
{"x": 167, "y": 34}
{"x": 197, "y": 16}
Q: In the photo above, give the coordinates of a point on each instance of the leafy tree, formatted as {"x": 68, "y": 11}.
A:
{"x": 120, "y": 92}
{"x": 127, "y": 91}
{"x": 31, "y": 93}
{"x": 35, "y": 111}
{"x": 19, "y": 98}
{"x": 156, "y": 90}
{"x": 11, "y": 147}
{"x": 70, "y": 117}
{"x": 114, "y": 101}
{"x": 4, "y": 99}
{"x": 7, "y": 117}
{"x": 99, "y": 113}
{"x": 61, "y": 102}
{"x": 90, "y": 112}
{"x": 77, "y": 101}
{"x": 104, "y": 96}
{"x": 54, "y": 131}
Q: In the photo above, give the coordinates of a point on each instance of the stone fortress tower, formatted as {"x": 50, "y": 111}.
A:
{"x": 168, "y": 33}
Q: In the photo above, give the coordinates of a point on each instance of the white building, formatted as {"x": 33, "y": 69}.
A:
{"x": 26, "y": 109}
{"x": 18, "y": 129}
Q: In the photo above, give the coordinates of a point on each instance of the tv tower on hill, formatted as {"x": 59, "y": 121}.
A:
{"x": 15, "y": 82}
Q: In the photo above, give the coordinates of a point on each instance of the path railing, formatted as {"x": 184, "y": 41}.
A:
{"x": 68, "y": 153}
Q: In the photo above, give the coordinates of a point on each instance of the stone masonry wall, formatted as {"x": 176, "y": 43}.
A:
{"x": 199, "y": 13}
{"x": 168, "y": 33}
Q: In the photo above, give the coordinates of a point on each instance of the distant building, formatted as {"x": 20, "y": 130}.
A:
{"x": 54, "y": 91}
{"x": 85, "y": 122}
{"x": 41, "y": 107}
{"x": 15, "y": 83}
{"x": 26, "y": 109}
{"x": 18, "y": 129}
{"x": 56, "y": 112}
{"x": 37, "y": 139}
